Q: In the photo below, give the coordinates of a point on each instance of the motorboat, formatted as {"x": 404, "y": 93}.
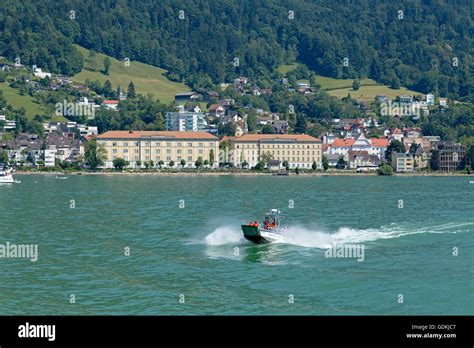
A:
{"x": 6, "y": 177}
{"x": 269, "y": 231}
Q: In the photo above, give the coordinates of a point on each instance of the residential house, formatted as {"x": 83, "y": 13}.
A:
{"x": 186, "y": 96}
{"x": 191, "y": 108}
{"x": 41, "y": 74}
{"x": 280, "y": 126}
{"x": 216, "y": 110}
{"x": 430, "y": 99}
{"x": 396, "y": 134}
{"x": 405, "y": 99}
{"x": 211, "y": 95}
{"x": 111, "y": 104}
{"x": 88, "y": 130}
{"x": 443, "y": 102}
{"x": 362, "y": 161}
{"x": 420, "y": 158}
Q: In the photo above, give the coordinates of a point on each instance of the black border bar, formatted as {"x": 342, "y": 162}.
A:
{"x": 241, "y": 330}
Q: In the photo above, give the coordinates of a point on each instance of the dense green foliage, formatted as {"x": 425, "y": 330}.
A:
{"x": 427, "y": 46}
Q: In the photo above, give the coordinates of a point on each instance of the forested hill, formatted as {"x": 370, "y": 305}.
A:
{"x": 424, "y": 45}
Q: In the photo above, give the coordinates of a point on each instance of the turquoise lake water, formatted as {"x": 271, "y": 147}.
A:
{"x": 192, "y": 260}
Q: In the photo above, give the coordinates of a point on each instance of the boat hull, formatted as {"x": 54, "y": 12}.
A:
{"x": 258, "y": 236}
{"x": 252, "y": 233}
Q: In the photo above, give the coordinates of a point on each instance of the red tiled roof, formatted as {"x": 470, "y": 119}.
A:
{"x": 110, "y": 102}
{"x": 214, "y": 107}
{"x": 257, "y": 137}
{"x": 382, "y": 142}
{"x": 348, "y": 142}
{"x": 89, "y": 137}
{"x": 226, "y": 137}
{"x": 165, "y": 134}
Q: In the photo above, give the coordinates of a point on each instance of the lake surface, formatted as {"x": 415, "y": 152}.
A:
{"x": 188, "y": 256}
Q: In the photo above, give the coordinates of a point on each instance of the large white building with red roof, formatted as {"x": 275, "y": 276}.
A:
{"x": 373, "y": 146}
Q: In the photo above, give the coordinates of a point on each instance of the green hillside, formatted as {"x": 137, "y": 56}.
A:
{"x": 17, "y": 101}
{"x": 340, "y": 88}
{"x": 146, "y": 78}
{"x": 368, "y": 90}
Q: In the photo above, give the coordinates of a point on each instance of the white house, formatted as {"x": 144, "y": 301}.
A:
{"x": 49, "y": 157}
{"x": 373, "y": 146}
{"x": 443, "y": 102}
{"x": 41, "y": 74}
{"x": 430, "y": 99}
{"x": 88, "y": 130}
{"x": 111, "y": 104}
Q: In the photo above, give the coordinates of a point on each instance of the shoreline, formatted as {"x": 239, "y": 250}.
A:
{"x": 218, "y": 173}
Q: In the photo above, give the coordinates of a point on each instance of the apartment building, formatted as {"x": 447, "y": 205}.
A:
{"x": 402, "y": 162}
{"x": 300, "y": 150}
{"x": 447, "y": 156}
{"x": 156, "y": 146}
{"x": 186, "y": 120}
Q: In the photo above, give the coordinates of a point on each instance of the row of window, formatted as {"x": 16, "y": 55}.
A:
{"x": 292, "y": 159}
{"x": 157, "y": 158}
{"x": 283, "y": 152}
{"x": 148, "y": 143}
{"x": 147, "y": 151}
{"x": 273, "y": 146}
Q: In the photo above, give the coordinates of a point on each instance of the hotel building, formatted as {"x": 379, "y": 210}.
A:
{"x": 159, "y": 146}
{"x": 300, "y": 150}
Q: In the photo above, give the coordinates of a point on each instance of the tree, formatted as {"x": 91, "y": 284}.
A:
{"x": 211, "y": 157}
{"x": 227, "y": 129}
{"x": 314, "y": 166}
{"x": 206, "y": 163}
{"x": 260, "y": 165}
{"x": 395, "y": 82}
{"x": 300, "y": 126}
{"x": 131, "y": 91}
{"x": 245, "y": 164}
{"x": 341, "y": 163}
{"x": 138, "y": 164}
{"x": 268, "y": 129}
{"x": 107, "y": 63}
{"x": 171, "y": 164}
{"x": 3, "y": 157}
{"x": 198, "y": 162}
{"x": 385, "y": 169}
{"x": 107, "y": 89}
{"x": 267, "y": 156}
{"x": 297, "y": 170}
{"x": 161, "y": 163}
{"x": 183, "y": 163}
{"x": 146, "y": 164}
{"x": 152, "y": 164}
{"x": 356, "y": 84}
{"x": 286, "y": 165}
{"x": 394, "y": 146}
{"x": 120, "y": 163}
{"x": 325, "y": 163}
{"x": 95, "y": 154}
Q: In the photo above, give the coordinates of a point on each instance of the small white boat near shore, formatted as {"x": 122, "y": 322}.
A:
{"x": 6, "y": 177}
